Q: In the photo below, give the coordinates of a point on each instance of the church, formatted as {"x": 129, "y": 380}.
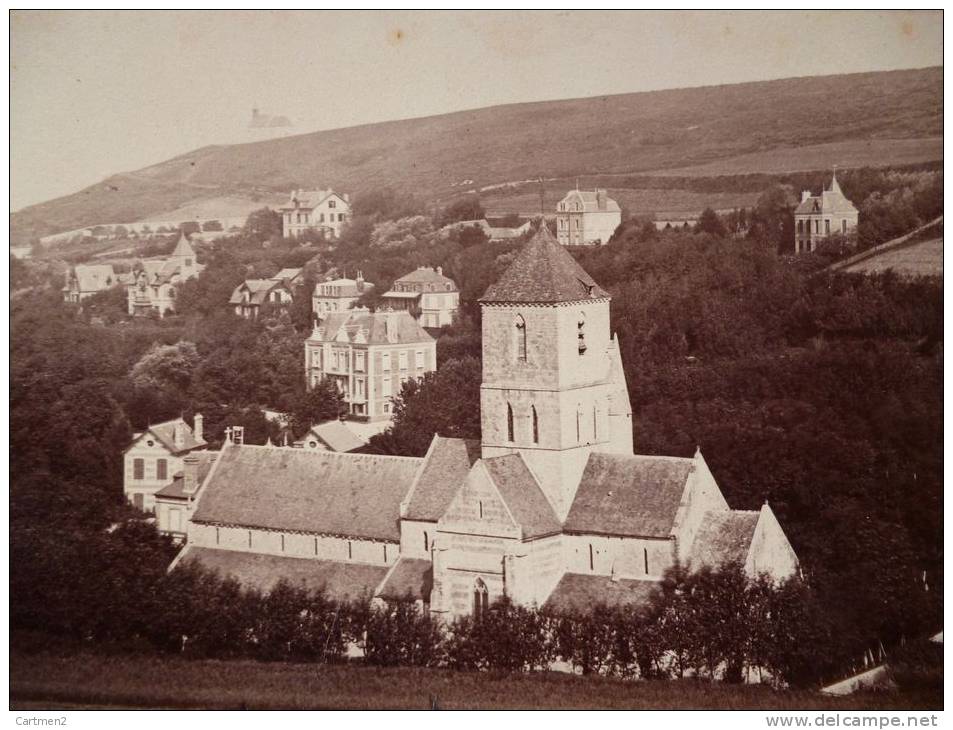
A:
{"x": 550, "y": 508}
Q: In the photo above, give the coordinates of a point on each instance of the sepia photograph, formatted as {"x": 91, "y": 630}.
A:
{"x": 476, "y": 360}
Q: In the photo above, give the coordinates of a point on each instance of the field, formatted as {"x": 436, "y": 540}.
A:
{"x": 86, "y": 680}
{"x": 881, "y": 118}
{"x": 919, "y": 259}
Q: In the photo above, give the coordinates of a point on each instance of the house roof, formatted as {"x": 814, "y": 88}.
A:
{"x": 372, "y": 326}
{"x": 183, "y": 248}
{"x": 308, "y": 490}
{"x": 340, "y": 580}
{"x": 831, "y": 201}
{"x": 258, "y": 288}
{"x": 309, "y": 199}
{"x": 444, "y": 468}
{"x": 337, "y": 436}
{"x": 165, "y": 434}
{"x": 93, "y": 277}
{"x": 411, "y": 577}
{"x": 636, "y": 496}
{"x": 723, "y": 537}
{"x": 590, "y": 200}
{"x": 287, "y": 274}
{"x": 176, "y": 488}
{"x": 544, "y": 272}
{"x": 426, "y": 275}
{"x": 581, "y": 592}
{"x": 344, "y": 288}
{"x": 522, "y": 495}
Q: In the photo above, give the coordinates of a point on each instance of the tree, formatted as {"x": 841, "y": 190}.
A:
{"x": 462, "y": 209}
{"x": 772, "y": 220}
{"x": 189, "y": 227}
{"x": 166, "y": 367}
{"x": 321, "y": 403}
{"x": 710, "y": 223}
{"x": 262, "y": 224}
{"x": 213, "y": 225}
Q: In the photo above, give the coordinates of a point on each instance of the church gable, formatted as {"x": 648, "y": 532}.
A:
{"x": 478, "y": 508}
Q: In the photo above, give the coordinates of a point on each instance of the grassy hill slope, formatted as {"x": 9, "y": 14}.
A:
{"x": 628, "y": 133}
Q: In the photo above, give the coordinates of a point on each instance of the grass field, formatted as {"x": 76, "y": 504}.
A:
{"x": 86, "y": 680}
{"x": 918, "y": 259}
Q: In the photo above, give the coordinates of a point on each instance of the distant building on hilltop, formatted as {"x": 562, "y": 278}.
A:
{"x": 84, "y": 280}
{"x": 820, "y": 216}
{"x": 155, "y": 280}
{"x": 586, "y": 218}
{"x": 369, "y": 356}
{"x": 427, "y": 294}
{"x": 338, "y": 295}
{"x": 324, "y": 211}
{"x": 268, "y": 126}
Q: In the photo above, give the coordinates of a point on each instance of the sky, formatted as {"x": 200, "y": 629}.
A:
{"x": 96, "y": 93}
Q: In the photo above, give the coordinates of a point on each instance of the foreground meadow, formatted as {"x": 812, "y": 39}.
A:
{"x": 87, "y": 680}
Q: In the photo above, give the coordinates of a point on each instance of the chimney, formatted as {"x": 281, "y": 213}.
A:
{"x": 360, "y": 280}
{"x": 440, "y": 270}
{"x": 601, "y": 199}
{"x": 190, "y": 474}
{"x": 390, "y": 326}
{"x": 805, "y": 194}
{"x": 198, "y": 428}
{"x": 178, "y": 435}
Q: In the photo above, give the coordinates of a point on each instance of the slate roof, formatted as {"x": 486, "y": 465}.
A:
{"x": 308, "y": 490}
{"x": 165, "y": 435}
{"x": 309, "y": 199}
{"x": 522, "y": 495}
{"x": 287, "y": 274}
{"x": 339, "y": 580}
{"x": 590, "y": 201}
{"x": 409, "y": 576}
{"x": 580, "y": 592}
{"x": 426, "y": 275}
{"x": 345, "y": 288}
{"x": 723, "y": 537}
{"x": 183, "y": 248}
{"x": 544, "y": 272}
{"x": 176, "y": 488}
{"x": 92, "y": 277}
{"x": 337, "y": 436}
{"x": 635, "y": 496}
{"x": 258, "y": 288}
{"x": 445, "y": 467}
{"x": 373, "y": 325}
{"x": 832, "y": 201}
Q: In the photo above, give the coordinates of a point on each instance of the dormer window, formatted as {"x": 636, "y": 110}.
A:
{"x": 331, "y": 203}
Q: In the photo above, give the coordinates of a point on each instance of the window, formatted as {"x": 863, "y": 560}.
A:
{"x": 349, "y": 553}
{"x": 340, "y": 217}
{"x": 138, "y": 469}
{"x": 385, "y": 553}
{"x": 827, "y": 227}
{"x": 249, "y": 538}
{"x": 595, "y": 424}
{"x": 535, "y": 426}
{"x": 578, "y": 420}
{"x": 481, "y": 600}
{"x": 800, "y": 226}
{"x": 581, "y": 332}
{"x": 817, "y": 225}
{"x": 359, "y": 361}
{"x": 419, "y": 359}
{"x": 387, "y": 408}
{"x": 316, "y": 358}
{"x": 426, "y": 541}
{"x": 315, "y": 546}
{"x": 162, "y": 469}
{"x": 843, "y": 225}
{"x": 386, "y": 389}
{"x": 217, "y": 536}
{"x": 385, "y": 361}
{"x": 175, "y": 520}
{"x": 509, "y": 422}
{"x": 402, "y": 360}
{"x": 282, "y": 542}
{"x": 592, "y": 561}
{"x": 645, "y": 555}
{"x": 480, "y": 506}
{"x": 520, "y": 325}
{"x": 332, "y": 203}
{"x": 321, "y": 218}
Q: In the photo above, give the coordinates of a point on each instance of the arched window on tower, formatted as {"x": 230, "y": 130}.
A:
{"x": 520, "y": 334}
{"x": 535, "y": 426}
{"x": 509, "y": 422}
{"x": 579, "y": 424}
{"x": 581, "y": 332}
{"x": 481, "y": 600}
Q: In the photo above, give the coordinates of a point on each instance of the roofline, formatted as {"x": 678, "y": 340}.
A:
{"x": 504, "y": 302}
{"x": 333, "y": 453}
{"x": 265, "y": 528}
{"x": 617, "y": 534}
{"x": 405, "y": 502}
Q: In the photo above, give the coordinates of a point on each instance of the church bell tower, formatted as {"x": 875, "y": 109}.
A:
{"x": 551, "y": 386}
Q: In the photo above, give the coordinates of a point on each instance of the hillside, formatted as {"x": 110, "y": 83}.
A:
{"x": 704, "y": 131}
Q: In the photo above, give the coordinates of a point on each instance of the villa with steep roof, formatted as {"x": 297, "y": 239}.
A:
{"x": 550, "y": 507}
{"x": 427, "y": 294}
{"x": 84, "y": 280}
{"x": 156, "y": 280}
{"x": 369, "y": 356}
{"x": 818, "y": 217}
{"x": 337, "y": 295}
{"x": 156, "y": 456}
{"x": 586, "y": 218}
{"x": 323, "y": 211}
